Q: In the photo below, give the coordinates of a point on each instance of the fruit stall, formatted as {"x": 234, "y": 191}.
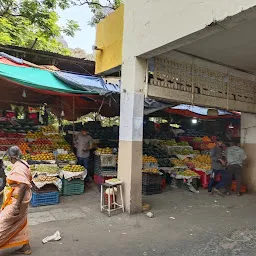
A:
{"x": 50, "y": 154}
{"x": 52, "y": 162}
{"x": 178, "y": 160}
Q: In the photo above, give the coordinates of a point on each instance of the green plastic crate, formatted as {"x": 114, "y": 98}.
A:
{"x": 73, "y": 187}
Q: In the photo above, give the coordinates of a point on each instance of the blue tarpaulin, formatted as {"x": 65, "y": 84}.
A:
{"x": 199, "y": 110}
{"x": 88, "y": 83}
{"x": 11, "y": 58}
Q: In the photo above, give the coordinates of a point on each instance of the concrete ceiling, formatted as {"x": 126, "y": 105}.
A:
{"x": 234, "y": 47}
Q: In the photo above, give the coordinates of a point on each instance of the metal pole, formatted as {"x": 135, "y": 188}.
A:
{"x": 59, "y": 114}
{"x": 73, "y": 118}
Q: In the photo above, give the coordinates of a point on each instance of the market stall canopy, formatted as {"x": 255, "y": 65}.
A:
{"x": 38, "y": 79}
{"x": 199, "y": 112}
{"x": 42, "y": 86}
{"x": 151, "y": 106}
{"x": 12, "y": 93}
{"x": 88, "y": 83}
{"x": 7, "y": 61}
{"x": 11, "y": 60}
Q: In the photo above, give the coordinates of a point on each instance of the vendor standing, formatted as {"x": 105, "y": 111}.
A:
{"x": 235, "y": 158}
{"x": 83, "y": 143}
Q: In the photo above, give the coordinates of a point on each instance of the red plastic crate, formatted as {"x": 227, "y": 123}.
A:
{"x": 111, "y": 200}
{"x": 242, "y": 190}
{"x": 32, "y": 115}
{"x": 9, "y": 114}
{"x": 100, "y": 179}
{"x": 163, "y": 185}
{"x": 204, "y": 178}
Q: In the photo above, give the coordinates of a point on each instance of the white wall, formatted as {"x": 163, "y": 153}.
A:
{"x": 150, "y": 24}
{"x": 248, "y": 128}
{"x": 185, "y": 58}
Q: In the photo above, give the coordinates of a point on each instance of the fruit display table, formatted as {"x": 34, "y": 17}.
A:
{"x": 186, "y": 175}
{"x": 65, "y": 159}
{"x": 70, "y": 172}
{"x": 51, "y": 160}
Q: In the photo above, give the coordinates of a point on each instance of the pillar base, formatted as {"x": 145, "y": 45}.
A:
{"x": 249, "y": 170}
{"x": 248, "y": 141}
{"x": 129, "y": 171}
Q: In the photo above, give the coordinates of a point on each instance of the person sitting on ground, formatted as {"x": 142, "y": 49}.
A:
{"x": 235, "y": 156}
{"x": 218, "y": 167}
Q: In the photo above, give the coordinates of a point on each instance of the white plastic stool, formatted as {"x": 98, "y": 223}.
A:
{"x": 116, "y": 206}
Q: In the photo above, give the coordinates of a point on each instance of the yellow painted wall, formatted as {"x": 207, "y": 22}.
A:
{"x": 109, "y": 37}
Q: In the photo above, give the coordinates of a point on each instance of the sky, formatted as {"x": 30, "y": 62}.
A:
{"x": 85, "y": 38}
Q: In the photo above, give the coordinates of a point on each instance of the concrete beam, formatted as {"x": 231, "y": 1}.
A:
{"x": 173, "y": 95}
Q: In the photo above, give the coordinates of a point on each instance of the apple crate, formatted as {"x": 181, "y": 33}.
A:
{"x": 41, "y": 199}
{"x": 72, "y": 187}
{"x": 151, "y": 178}
{"x": 99, "y": 179}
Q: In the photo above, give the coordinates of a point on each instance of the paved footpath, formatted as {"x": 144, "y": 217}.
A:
{"x": 185, "y": 224}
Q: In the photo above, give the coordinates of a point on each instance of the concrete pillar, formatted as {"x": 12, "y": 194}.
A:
{"x": 248, "y": 141}
{"x": 131, "y": 132}
{"x": 134, "y": 72}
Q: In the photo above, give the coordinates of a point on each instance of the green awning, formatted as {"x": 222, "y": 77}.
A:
{"x": 38, "y": 79}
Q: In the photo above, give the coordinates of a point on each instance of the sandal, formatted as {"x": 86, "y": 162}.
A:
{"x": 21, "y": 252}
{"x": 218, "y": 192}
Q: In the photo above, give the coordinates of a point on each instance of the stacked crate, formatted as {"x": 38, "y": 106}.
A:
{"x": 105, "y": 167}
{"x": 72, "y": 187}
{"x": 151, "y": 183}
{"x": 48, "y": 195}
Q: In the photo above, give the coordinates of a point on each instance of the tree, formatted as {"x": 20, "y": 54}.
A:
{"x": 33, "y": 23}
{"x": 99, "y": 8}
{"x": 30, "y": 23}
{"x": 80, "y": 53}
{"x": 39, "y": 13}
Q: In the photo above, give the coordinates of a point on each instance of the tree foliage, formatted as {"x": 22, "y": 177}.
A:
{"x": 40, "y": 13}
{"x": 100, "y": 11}
{"x": 24, "y": 22}
{"x": 34, "y": 23}
{"x": 99, "y": 8}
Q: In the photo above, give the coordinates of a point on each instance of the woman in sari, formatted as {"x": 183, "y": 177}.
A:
{"x": 13, "y": 213}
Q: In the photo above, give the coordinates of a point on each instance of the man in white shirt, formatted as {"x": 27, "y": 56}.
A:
{"x": 83, "y": 143}
{"x": 235, "y": 157}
